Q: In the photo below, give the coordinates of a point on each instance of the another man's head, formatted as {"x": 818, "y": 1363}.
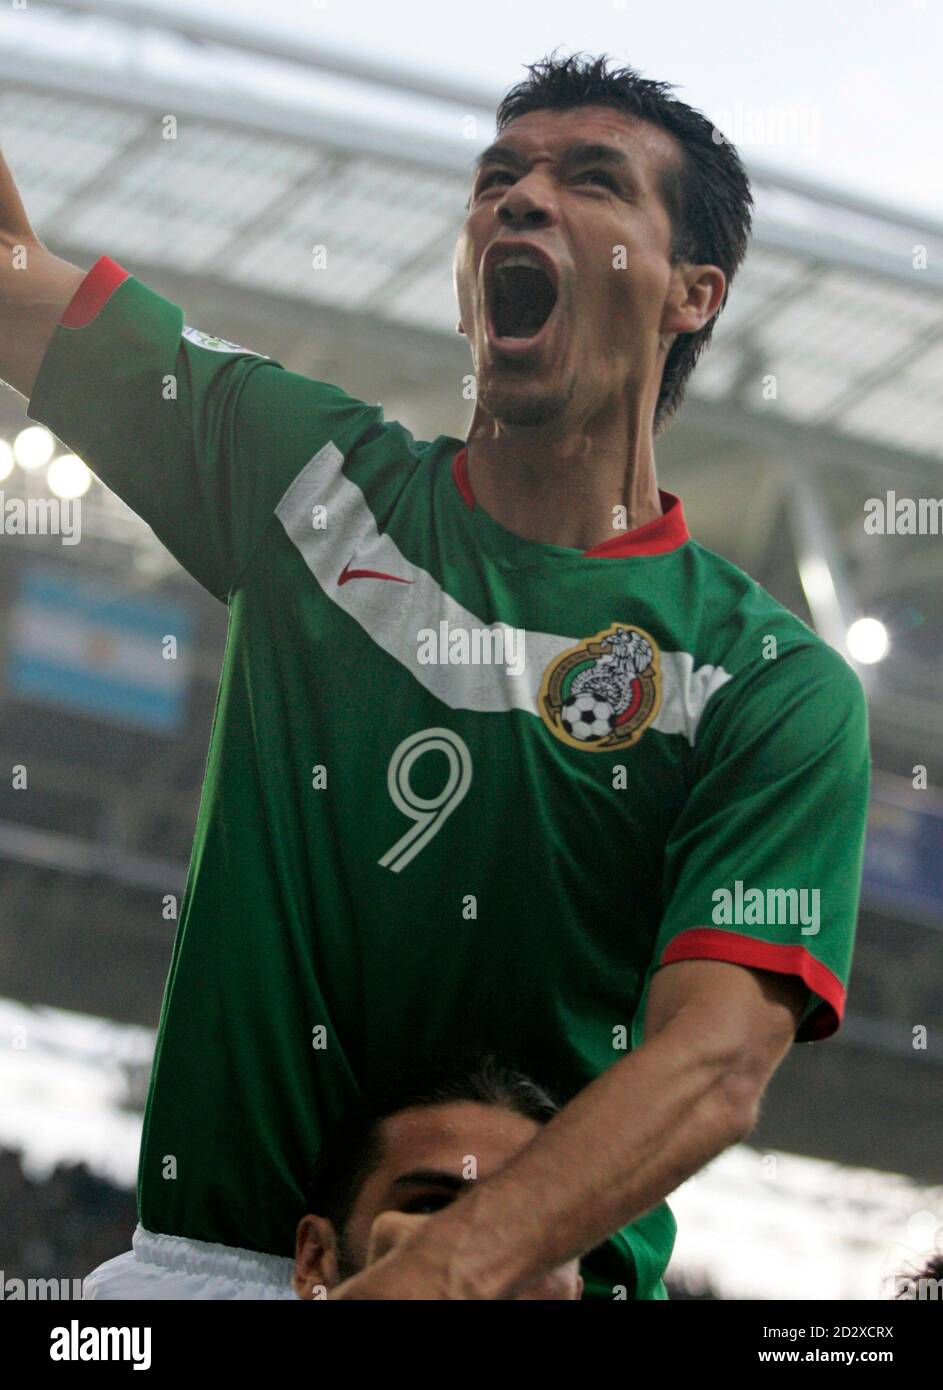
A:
{"x": 407, "y": 1153}
{"x": 640, "y": 214}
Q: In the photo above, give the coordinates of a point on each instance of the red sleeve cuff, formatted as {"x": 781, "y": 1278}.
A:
{"x": 708, "y": 943}
{"x": 94, "y": 292}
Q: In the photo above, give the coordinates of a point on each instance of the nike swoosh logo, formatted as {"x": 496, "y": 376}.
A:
{"x": 347, "y": 573}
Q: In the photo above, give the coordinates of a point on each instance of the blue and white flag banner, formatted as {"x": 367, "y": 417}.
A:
{"x": 100, "y": 650}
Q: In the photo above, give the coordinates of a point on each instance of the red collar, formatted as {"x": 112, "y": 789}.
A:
{"x": 664, "y": 533}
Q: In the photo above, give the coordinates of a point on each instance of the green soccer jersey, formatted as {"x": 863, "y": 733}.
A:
{"x": 463, "y": 790}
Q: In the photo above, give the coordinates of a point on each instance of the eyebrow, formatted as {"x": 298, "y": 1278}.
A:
{"x": 431, "y": 1177}
{"x": 582, "y": 152}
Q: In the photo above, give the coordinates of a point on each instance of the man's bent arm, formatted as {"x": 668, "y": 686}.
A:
{"x": 715, "y": 1034}
{"x": 35, "y": 290}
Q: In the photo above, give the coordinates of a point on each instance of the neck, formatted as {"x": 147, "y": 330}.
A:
{"x": 564, "y": 487}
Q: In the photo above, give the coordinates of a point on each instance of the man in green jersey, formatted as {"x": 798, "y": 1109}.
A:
{"x": 501, "y": 756}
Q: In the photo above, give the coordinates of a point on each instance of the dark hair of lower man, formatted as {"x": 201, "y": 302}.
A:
{"x": 352, "y": 1147}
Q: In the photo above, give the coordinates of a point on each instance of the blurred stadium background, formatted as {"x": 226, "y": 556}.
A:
{"x": 281, "y": 147}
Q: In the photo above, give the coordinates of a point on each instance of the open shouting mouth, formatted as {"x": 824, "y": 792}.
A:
{"x": 521, "y": 293}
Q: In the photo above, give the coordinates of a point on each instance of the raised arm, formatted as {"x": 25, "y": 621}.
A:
{"x": 199, "y": 436}
{"x": 35, "y": 288}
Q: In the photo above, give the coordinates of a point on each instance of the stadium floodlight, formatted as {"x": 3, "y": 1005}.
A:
{"x": 6, "y": 460}
{"x": 868, "y": 640}
{"x": 33, "y": 447}
{"x": 68, "y": 476}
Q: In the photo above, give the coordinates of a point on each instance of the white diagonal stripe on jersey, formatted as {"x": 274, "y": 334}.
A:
{"x": 387, "y": 611}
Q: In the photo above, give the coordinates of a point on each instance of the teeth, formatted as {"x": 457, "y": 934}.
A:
{"x": 520, "y": 258}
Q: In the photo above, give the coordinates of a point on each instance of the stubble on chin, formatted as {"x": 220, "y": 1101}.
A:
{"x": 524, "y": 408}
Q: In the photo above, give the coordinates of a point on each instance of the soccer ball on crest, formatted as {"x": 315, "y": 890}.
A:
{"x": 587, "y": 717}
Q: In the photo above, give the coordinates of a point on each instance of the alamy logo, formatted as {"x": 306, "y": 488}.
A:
{"x": 76, "y": 1343}
{"x": 891, "y": 515}
{"x": 770, "y": 907}
{"x": 39, "y": 1290}
{"x": 42, "y": 516}
{"x": 922, "y": 1287}
{"x": 478, "y": 646}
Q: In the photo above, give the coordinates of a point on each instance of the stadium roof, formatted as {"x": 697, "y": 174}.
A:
{"x": 837, "y": 299}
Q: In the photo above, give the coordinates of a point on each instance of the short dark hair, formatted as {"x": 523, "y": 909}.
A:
{"x": 708, "y": 196}
{"x": 352, "y": 1147}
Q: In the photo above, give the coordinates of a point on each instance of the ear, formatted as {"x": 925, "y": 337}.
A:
{"x": 315, "y": 1257}
{"x": 693, "y": 298}
{"x": 460, "y": 328}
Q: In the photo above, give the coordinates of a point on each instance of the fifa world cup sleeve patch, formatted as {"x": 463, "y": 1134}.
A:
{"x": 603, "y": 693}
{"x": 206, "y": 340}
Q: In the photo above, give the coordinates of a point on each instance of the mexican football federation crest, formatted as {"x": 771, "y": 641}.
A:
{"x": 602, "y": 694}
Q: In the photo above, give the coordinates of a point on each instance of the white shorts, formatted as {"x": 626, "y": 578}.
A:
{"x": 172, "y": 1267}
